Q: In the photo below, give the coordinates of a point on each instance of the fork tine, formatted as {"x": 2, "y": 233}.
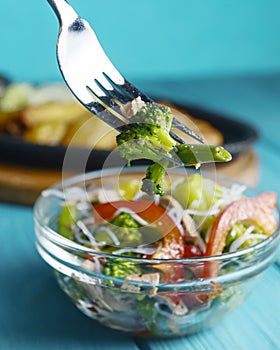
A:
{"x": 103, "y": 109}
{"x": 106, "y": 116}
{"x": 112, "y": 93}
{"x": 126, "y": 95}
{"x": 128, "y": 91}
{"x": 176, "y": 123}
{"x": 131, "y": 90}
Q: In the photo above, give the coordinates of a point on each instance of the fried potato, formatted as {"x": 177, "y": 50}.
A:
{"x": 6, "y": 118}
{"x": 47, "y": 116}
{"x": 51, "y": 112}
{"x": 89, "y": 131}
{"x": 50, "y": 133}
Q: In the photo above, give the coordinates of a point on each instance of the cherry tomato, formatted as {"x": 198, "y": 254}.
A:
{"x": 259, "y": 210}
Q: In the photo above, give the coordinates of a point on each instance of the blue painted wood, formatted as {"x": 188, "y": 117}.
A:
{"x": 255, "y": 325}
{"x": 34, "y": 312}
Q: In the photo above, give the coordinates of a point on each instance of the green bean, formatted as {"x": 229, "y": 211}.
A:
{"x": 199, "y": 154}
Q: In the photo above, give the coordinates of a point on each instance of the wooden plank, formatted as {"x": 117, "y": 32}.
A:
{"x": 22, "y": 185}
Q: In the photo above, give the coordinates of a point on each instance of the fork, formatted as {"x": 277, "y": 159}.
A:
{"x": 92, "y": 77}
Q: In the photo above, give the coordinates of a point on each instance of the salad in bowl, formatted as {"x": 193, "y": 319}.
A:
{"x": 161, "y": 265}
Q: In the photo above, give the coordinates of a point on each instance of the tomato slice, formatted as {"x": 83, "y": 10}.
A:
{"x": 173, "y": 241}
{"x": 259, "y": 210}
{"x": 192, "y": 251}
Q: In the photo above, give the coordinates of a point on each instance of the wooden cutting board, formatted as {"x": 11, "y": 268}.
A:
{"x": 22, "y": 185}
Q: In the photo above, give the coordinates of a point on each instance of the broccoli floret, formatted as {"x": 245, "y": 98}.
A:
{"x": 161, "y": 116}
{"x": 144, "y": 141}
{"x": 147, "y": 137}
{"x": 153, "y": 183}
{"x": 119, "y": 268}
{"x": 125, "y": 220}
{"x": 125, "y": 228}
{"x": 147, "y": 134}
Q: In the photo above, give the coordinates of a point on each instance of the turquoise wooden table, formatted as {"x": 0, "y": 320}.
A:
{"x": 35, "y": 314}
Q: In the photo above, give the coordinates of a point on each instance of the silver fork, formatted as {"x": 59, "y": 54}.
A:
{"x": 90, "y": 74}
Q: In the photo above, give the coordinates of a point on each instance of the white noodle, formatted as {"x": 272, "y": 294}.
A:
{"x": 176, "y": 216}
{"x": 97, "y": 264}
{"x": 135, "y": 216}
{"x": 140, "y": 250}
{"x": 110, "y": 233}
{"x": 207, "y": 236}
{"x": 156, "y": 199}
{"x": 199, "y": 241}
{"x": 138, "y": 195}
{"x": 86, "y": 232}
{"x": 247, "y": 235}
{"x": 79, "y": 239}
{"x": 208, "y": 212}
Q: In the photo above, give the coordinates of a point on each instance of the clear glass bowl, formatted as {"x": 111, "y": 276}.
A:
{"x": 147, "y": 308}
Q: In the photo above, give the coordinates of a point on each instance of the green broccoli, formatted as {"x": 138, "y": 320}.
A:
{"x": 153, "y": 183}
{"x": 125, "y": 220}
{"x": 124, "y": 227}
{"x": 120, "y": 268}
{"x": 147, "y": 135}
{"x": 161, "y": 116}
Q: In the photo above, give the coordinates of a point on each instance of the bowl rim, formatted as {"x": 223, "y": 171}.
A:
{"x": 56, "y": 238}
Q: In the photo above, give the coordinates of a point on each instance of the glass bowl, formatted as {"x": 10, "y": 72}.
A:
{"x": 149, "y": 307}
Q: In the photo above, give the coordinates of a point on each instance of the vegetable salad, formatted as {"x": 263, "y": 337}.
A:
{"x": 196, "y": 215}
{"x": 195, "y": 218}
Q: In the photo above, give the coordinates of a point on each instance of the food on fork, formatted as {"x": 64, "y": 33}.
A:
{"x": 147, "y": 136}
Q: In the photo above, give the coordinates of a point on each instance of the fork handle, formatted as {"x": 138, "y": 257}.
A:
{"x": 64, "y": 12}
